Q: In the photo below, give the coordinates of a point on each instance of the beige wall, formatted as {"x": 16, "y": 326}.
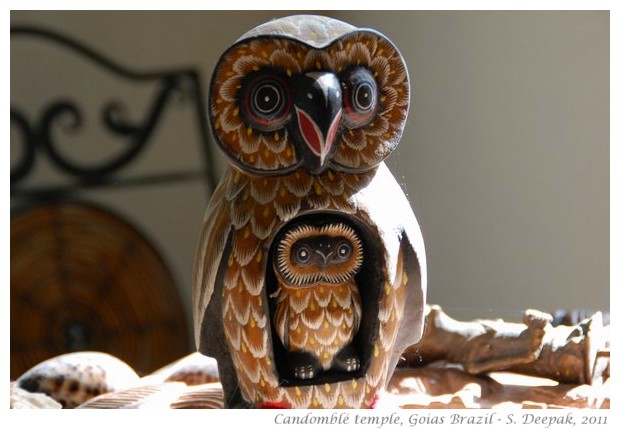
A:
{"x": 505, "y": 158}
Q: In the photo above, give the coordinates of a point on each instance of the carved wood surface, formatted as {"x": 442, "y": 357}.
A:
{"x": 442, "y": 385}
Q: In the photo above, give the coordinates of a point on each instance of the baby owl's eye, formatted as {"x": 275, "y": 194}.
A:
{"x": 344, "y": 250}
{"x": 303, "y": 255}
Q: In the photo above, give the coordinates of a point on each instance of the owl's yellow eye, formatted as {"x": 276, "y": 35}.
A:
{"x": 361, "y": 97}
{"x": 265, "y": 101}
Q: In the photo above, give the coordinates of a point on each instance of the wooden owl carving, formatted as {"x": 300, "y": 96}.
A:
{"x": 307, "y": 108}
{"x": 318, "y": 304}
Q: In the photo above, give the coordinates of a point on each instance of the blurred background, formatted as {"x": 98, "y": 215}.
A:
{"x": 505, "y": 160}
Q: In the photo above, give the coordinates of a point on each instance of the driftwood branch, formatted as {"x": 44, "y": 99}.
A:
{"x": 567, "y": 354}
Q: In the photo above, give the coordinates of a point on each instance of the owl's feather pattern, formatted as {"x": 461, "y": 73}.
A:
{"x": 244, "y": 303}
{"x": 358, "y": 149}
{"x": 320, "y": 319}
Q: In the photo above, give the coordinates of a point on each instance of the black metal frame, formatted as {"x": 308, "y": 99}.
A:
{"x": 37, "y": 137}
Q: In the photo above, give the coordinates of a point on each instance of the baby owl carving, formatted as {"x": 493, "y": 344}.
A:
{"x": 318, "y": 304}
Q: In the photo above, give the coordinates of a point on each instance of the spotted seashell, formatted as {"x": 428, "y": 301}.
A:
{"x": 193, "y": 369}
{"x": 74, "y": 378}
{"x": 161, "y": 396}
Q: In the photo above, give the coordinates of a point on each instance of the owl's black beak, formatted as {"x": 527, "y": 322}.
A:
{"x": 318, "y": 109}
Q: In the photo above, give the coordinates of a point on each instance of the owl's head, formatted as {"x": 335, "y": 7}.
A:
{"x": 309, "y": 92}
{"x": 309, "y": 254}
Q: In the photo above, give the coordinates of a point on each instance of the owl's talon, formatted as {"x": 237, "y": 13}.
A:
{"x": 304, "y": 365}
{"x": 304, "y": 372}
{"x": 347, "y": 360}
{"x": 353, "y": 364}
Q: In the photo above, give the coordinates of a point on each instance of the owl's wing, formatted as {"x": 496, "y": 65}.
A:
{"x": 388, "y": 207}
{"x": 214, "y": 236}
{"x": 411, "y": 273}
{"x": 212, "y": 253}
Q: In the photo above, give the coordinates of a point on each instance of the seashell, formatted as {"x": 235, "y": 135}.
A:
{"x": 193, "y": 369}
{"x": 21, "y": 398}
{"x": 74, "y": 378}
{"x": 160, "y": 396}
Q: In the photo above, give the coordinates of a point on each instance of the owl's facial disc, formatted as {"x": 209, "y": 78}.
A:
{"x": 318, "y": 109}
{"x": 330, "y": 254}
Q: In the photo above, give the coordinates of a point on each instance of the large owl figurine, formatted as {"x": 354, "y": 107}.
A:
{"x": 310, "y": 271}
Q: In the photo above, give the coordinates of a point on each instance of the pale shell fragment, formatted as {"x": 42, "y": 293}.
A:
{"x": 74, "y": 378}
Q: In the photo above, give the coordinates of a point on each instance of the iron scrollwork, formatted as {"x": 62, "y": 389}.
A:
{"x": 37, "y": 137}
{"x": 23, "y": 166}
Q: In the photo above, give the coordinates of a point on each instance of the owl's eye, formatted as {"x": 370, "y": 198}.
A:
{"x": 265, "y": 101}
{"x": 361, "y": 97}
{"x": 302, "y": 255}
{"x": 344, "y": 250}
